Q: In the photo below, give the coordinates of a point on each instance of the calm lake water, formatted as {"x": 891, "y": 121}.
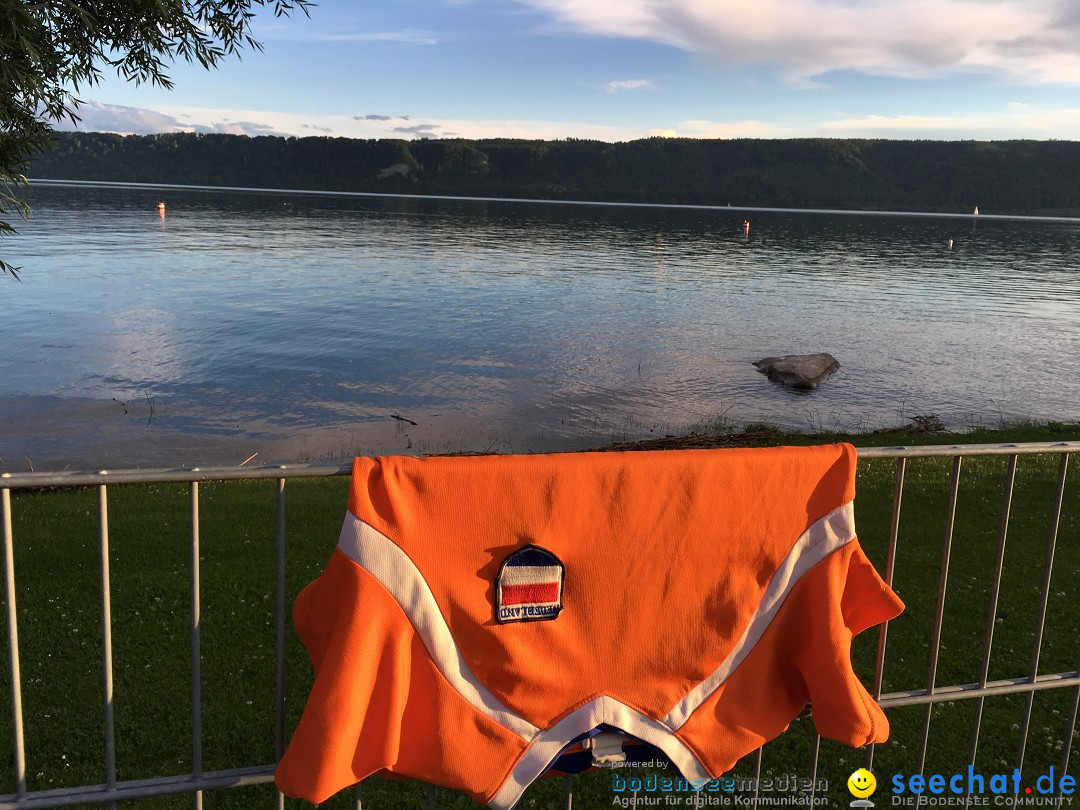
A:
{"x": 295, "y": 325}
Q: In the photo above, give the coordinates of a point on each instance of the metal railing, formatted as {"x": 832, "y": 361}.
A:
{"x": 198, "y": 781}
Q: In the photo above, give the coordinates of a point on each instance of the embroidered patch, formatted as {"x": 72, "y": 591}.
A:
{"x": 529, "y": 586}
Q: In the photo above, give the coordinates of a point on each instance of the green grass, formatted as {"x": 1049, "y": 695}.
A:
{"x": 58, "y": 569}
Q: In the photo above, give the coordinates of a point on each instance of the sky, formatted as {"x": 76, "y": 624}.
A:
{"x": 617, "y": 70}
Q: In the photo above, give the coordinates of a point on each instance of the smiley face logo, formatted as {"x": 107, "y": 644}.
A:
{"x": 861, "y": 783}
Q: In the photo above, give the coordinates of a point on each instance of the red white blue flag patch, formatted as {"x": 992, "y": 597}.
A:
{"x": 529, "y": 587}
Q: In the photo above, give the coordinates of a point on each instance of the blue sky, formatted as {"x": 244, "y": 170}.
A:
{"x": 625, "y": 69}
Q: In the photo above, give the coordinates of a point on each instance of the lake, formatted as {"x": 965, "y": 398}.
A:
{"x": 297, "y": 325}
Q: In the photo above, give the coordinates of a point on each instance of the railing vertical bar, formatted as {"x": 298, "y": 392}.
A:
{"x": 279, "y": 662}
{"x": 568, "y": 792}
{"x": 430, "y": 796}
{"x": 13, "y": 647}
{"x": 1070, "y": 729}
{"x": 196, "y": 647}
{"x": 633, "y": 796}
{"x": 814, "y": 751}
{"x": 1048, "y": 570}
{"x": 757, "y": 776}
{"x": 939, "y": 613}
{"x": 106, "y": 641}
{"x": 991, "y": 618}
{"x": 357, "y": 797}
{"x": 890, "y": 567}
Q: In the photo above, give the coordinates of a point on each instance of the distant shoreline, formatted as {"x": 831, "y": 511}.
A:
{"x": 536, "y": 201}
{"x": 951, "y": 178}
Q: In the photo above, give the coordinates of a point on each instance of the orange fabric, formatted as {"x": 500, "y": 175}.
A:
{"x": 839, "y": 598}
{"x": 381, "y": 702}
{"x": 611, "y": 518}
{"x": 667, "y": 555}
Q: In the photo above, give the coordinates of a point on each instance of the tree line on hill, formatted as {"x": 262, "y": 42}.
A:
{"x": 956, "y": 176}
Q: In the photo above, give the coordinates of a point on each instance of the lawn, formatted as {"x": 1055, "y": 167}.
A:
{"x": 58, "y": 568}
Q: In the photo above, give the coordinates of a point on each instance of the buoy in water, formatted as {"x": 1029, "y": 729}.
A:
{"x": 161, "y": 209}
{"x": 950, "y": 244}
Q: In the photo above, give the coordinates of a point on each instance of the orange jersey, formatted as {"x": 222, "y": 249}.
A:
{"x": 481, "y": 613}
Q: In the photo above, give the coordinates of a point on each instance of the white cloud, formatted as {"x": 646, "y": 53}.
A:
{"x": 1029, "y": 41}
{"x": 1009, "y": 121}
{"x": 292, "y": 33}
{"x": 97, "y": 117}
{"x": 101, "y": 117}
{"x": 1014, "y": 122}
{"x": 408, "y": 36}
{"x": 735, "y": 129}
{"x": 628, "y": 84}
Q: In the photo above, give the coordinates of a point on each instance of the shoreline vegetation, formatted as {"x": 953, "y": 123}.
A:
{"x": 998, "y": 177}
{"x": 58, "y": 567}
{"x": 923, "y": 430}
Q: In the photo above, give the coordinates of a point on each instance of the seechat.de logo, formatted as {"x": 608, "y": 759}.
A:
{"x": 861, "y": 785}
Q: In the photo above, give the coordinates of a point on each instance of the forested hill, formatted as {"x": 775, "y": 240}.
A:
{"x": 997, "y": 176}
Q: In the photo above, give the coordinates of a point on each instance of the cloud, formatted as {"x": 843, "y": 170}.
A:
{"x": 1031, "y": 41}
{"x": 1009, "y": 120}
{"x": 250, "y": 128}
{"x": 408, "y": 36}
{"x": 98, "y": 117}
{"x": 696, "y": 128}
{"x": 95, "y": 117}
{"x": 628, "y": 84}
{"x": 270, "y": 122}
{"x": 418, "y": 129}
{"x": 1015, "y": 121}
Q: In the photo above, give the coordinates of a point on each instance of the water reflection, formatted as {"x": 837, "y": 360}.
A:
{"x": 301, "y": 322}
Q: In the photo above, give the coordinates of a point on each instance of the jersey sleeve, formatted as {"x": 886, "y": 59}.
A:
{"x": 844, "y": 596}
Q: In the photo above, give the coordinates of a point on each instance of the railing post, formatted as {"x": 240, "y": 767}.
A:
{"x": 1048, "y": 570}
{"x": 757, "y": 778}
{"x": 890, "y": 567}
{"x": 106, "y": 640}
{"x": 814, "y": 753}
{"x": 939, "y": 614}
{"x": 995, "y": 590}
{"x": 196, "y": 647}
{"x": 13, "y": 644}
{"x": 279, "y": 661}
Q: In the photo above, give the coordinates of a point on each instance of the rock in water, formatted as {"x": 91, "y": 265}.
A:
{"x": 803, "y": 371}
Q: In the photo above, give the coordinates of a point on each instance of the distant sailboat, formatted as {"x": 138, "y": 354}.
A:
{"x": 976, "y": 211}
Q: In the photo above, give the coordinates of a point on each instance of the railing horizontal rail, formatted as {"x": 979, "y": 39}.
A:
{"x": 1008, "y": 686}
{"x": 84, "y": 478}
{"x": 139, "y": 788}
{"x": 937, "y": 450}
{"x": 164, "y": 476}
